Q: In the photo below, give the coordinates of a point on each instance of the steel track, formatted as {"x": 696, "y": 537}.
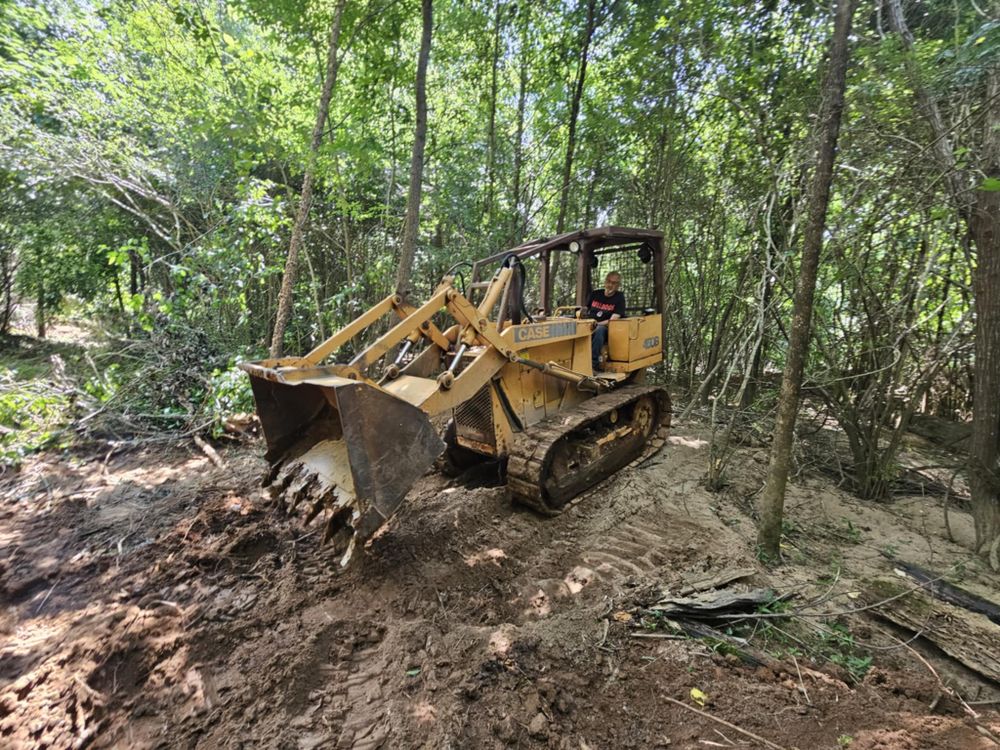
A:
{"x": 530, "y": 462}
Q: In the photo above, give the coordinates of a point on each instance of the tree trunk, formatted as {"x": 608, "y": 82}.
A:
{"x": 517, "y": 223}
{"x": 411, "y": 223}
{"x": 660, "y": 184}
{"x": 40, "y": 311}
{"x": 773, "y": 497}
{"x": 491, "y": 141}
{"x": 7, "y": 281}
{"x": 980, "y": 209}
{"x": 133, "y": 272}
{"x": 985, "y": 444}
{"x": 756, "y": 374}
{"x": 574, "y": 115}
{"x": 390, "y": 185}
{"x": 292, "y": 262}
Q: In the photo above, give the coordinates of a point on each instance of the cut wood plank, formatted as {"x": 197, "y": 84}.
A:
{"x": 967, "y": 637}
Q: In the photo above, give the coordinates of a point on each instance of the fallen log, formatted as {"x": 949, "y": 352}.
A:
{"x": 947, "y": 592}
{"x": 944, "y": 432}
{"x": 967, "y": 637}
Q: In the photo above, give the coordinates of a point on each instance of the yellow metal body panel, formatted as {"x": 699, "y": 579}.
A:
{"x": 534, "y": 395}
{"x": 532, "y": 335}
{"x": 622, "y": 368}
{"x": 411, "y": 388}
{"x": 633, "y": 341}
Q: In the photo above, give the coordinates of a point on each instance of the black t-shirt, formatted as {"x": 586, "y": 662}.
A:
{"x": 602, "y": 307}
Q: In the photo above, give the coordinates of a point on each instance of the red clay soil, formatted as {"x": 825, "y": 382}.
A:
{"x": 152, "y": 600}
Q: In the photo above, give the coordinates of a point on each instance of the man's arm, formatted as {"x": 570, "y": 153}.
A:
{"x": 619, "y": 307}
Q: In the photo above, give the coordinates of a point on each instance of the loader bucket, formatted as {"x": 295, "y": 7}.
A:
{"x": 343, "y": 444}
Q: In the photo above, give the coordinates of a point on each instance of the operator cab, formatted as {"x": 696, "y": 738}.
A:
{"x": 559, "y": 273}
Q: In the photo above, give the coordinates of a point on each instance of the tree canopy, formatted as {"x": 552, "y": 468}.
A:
{"x": 152, "y": 155}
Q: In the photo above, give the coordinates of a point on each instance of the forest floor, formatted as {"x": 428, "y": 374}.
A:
{"x": 153, "y": 599}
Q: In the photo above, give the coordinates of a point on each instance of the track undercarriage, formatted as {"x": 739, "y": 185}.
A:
{"x": 563, "y": 456}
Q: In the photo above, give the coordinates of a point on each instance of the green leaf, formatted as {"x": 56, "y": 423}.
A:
{"x": 990, "y": 185}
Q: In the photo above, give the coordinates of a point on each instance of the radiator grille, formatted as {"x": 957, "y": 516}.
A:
{"x": 474, "y": 418}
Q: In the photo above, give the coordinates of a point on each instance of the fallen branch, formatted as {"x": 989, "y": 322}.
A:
{"x": 604, "y": 634}
{"x": 660, "y": 636}
{"x": 723, "y": 722}
{"x": 209, "y": 451}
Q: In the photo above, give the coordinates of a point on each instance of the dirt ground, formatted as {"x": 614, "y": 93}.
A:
{"x": 152, "y": 599}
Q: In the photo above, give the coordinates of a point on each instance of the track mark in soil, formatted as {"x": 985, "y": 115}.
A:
{"x": 248, "y": 550}
{"x": 638, "y": 547}
{"x": 434, "y": 639}
{"x": 125, "y": 671}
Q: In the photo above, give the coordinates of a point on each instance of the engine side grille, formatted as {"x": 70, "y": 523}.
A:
{"x": 474, "y": 418}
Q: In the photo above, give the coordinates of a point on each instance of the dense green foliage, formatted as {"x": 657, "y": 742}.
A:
{"x": 151, "y": 153}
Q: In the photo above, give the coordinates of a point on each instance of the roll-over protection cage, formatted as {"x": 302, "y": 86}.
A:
{"x": 603, "y": 250}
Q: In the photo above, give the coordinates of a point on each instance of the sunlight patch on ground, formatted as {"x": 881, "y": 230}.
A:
{"x": 502, "y": 639}
{"x": 155, "y": 476}
{"x": 32, "y": 636}
{"x": 540, "y": 604}
{"x": 424, "y": 713}
{"x": 494, "y": 556}
{"x": 578, "y": 578}
{"x": 687, "y": 442}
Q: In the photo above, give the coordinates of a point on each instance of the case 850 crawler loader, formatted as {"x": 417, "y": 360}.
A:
{"x": 346, "y": 440}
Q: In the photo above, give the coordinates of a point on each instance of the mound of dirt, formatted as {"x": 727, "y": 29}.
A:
{"x": 152, "y": 599}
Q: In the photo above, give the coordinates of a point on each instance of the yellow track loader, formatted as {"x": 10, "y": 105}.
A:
{"x": 508, "y": 357}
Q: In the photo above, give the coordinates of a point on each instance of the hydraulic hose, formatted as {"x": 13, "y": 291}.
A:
{"x": 454, "y": 271}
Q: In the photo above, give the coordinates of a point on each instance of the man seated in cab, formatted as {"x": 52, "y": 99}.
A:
{"x": 604, "y": 305}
